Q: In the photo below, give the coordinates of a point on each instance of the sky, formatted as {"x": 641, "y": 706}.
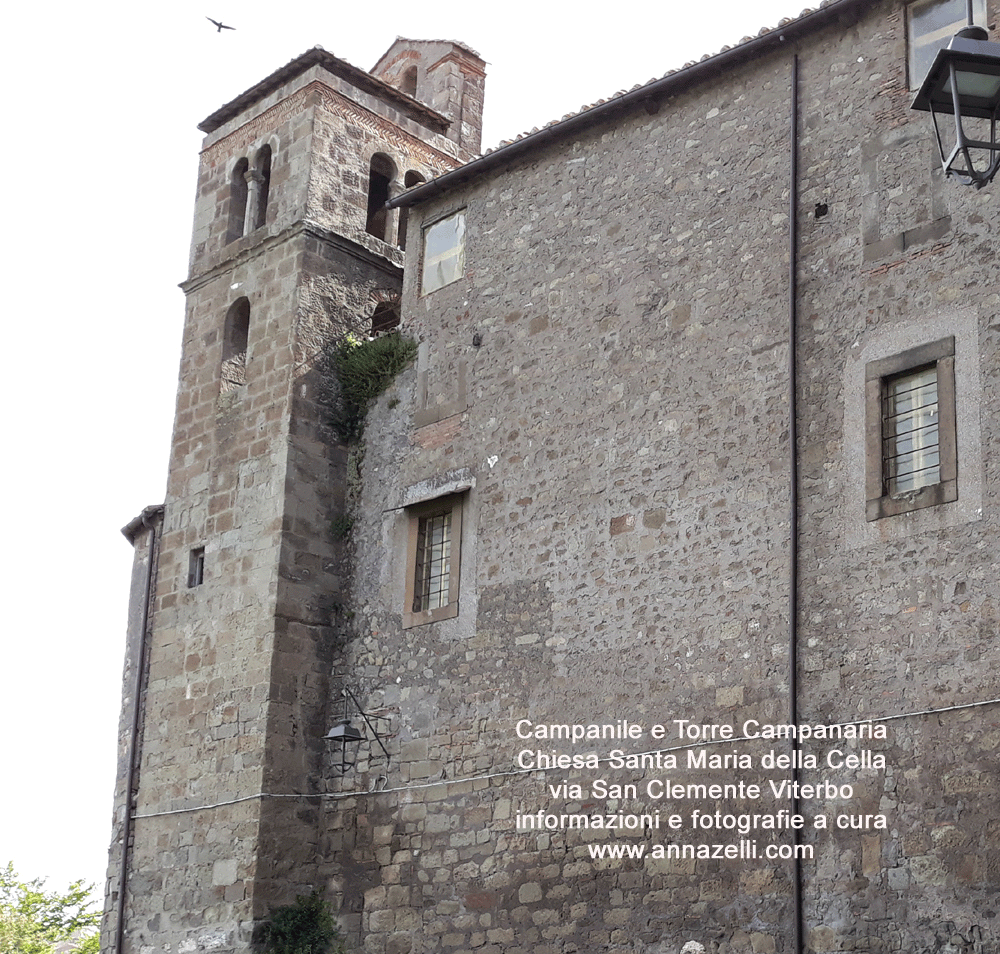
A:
{"x": 102, "y": 104}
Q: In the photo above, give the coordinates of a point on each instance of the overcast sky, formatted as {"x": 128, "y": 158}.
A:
{"x": 100, "y": 162}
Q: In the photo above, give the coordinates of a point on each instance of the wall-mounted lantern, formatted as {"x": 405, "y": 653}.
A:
{"x": 347, "y": 738}
{"x": 964, "y": 80}
{"x": 343, "y": 735}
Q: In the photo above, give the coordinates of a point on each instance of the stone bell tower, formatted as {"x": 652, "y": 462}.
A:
{"x": 238, "y": 574}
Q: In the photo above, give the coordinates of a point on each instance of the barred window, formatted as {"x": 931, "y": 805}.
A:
{"x": 433, "y": 558}
{"x": 911, "y": 453}
{"x": 911, "y": 448}
{"x": 433, "y": 563}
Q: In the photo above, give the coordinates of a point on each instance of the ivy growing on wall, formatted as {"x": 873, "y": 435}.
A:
{"x": 305, "y": 927}
{"x": 357, "y": 370}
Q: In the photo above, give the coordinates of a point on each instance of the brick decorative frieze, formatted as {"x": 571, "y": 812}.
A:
{"x": 334, "y": 102}
{"x": 251, "y": 131}
{"x": 380, "y": 128}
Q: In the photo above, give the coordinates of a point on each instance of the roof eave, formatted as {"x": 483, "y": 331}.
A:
{"x": 134, "y": 527}
{"x": 650, "y": 93}
{"x": 317, "y": 56}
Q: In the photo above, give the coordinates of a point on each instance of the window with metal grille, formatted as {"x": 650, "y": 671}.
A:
{"x": 433, "y": 560}
{"x": 433, "y": 564}
{"x": 911, "y": 447}
{"x": 911, "y": 452}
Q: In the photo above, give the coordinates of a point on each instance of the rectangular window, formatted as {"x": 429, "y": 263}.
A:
{"x": 911, "y": 447}
{"x": 196, "y": 567}
{"x": 930, "y": 26}
{"x": 433, "y": 553}
{"x": 433, "y": 562}
{"x": 444, "y": 253}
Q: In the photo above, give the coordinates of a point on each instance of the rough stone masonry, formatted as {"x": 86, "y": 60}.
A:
{"x": 600, "y": 413}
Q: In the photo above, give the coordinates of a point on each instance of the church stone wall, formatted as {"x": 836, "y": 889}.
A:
{"x": 206, "y": 706}
{"x": 630, "y": 380}
{"x": 604, "y": 396}
{"x": 898, "y": 615}
{"x": 622, "y": 427}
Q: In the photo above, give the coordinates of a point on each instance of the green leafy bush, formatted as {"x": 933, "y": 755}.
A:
{"x": 305, "y": 927}
{"x": 362, "y": 369}
{"x": 341, "y": 527}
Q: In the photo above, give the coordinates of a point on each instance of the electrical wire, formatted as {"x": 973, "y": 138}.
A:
{"x": 528, "y": 771}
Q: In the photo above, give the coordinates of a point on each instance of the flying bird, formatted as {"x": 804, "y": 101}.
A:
{"x": 220, "y": 26}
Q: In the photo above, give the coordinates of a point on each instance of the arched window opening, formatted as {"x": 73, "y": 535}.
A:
{"x": 237, "y": 200}
{"x": 235, "y": 334}
{"x": 409, "y": 180}
{"x": 410, "y": 82}
{"x": 261, "y": 185}
{"x": 385, "y": 318}
{"x": 380, "y": 174}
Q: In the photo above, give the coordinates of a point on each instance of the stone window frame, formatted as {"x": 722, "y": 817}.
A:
{"x": 452, "y": 504}
{"x": 426, "y": 287}
{"x": 917, "y": 69}
{"x": 196, "y": 567}
{"x": 249, "y": 192}
{"x": 880, "y": 503}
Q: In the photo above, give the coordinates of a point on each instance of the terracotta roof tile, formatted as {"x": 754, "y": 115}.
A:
{"x": 764, "y": 31}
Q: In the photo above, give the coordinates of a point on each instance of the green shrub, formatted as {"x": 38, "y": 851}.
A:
{"x": 341, "y": 527}
{"x": 363, "y": 370}
{"x": 305, "y": 927}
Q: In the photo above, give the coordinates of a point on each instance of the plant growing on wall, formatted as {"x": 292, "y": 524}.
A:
{"x": 305, "y": 927}
{"x": 362, "y": 369}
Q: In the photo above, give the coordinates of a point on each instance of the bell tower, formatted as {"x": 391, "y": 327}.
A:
{"x": 238, "y": 574}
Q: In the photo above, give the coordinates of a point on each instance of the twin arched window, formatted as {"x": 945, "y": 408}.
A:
{"x": 249, "y": 188}
{"x": 381, "y": 175}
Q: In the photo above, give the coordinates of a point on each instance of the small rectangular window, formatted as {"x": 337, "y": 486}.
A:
{"x": 433, "y": 562}
{"x": 444, "y": 253}
{"x": 196, "y": 567}
{"x": 930, "y": 26}
{"x": 911, "y": 448}
{"x": 432, "y": 566}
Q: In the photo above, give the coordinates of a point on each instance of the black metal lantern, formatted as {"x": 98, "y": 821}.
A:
{"x": 343, "y": 734}
{"x": 964, "y": 80}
